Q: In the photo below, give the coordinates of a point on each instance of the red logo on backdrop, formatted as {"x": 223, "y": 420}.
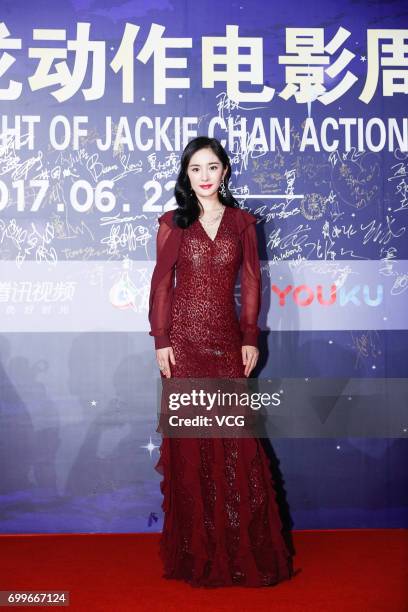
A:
{"x": 303, "y": 295}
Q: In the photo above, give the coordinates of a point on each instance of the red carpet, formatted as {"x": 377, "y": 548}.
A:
{"x": 338, "y": 571}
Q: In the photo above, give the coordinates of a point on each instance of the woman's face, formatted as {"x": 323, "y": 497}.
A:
{"x": 205, "y": 169}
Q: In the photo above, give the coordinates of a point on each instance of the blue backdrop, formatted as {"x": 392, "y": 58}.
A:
{"x": 97, "y": 101}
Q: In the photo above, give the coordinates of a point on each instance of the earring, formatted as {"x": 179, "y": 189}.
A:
{"x": 223, "y": 189}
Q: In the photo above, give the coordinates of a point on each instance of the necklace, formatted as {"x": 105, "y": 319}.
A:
{"x": 213, "y": 219}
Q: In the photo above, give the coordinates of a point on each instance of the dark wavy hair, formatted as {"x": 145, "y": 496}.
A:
{"x": 189, "y": 207}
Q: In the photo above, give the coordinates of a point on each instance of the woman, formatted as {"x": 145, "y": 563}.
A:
{"x": 221, "y": 522}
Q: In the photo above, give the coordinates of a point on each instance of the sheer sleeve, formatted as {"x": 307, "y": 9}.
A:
{"x": 251, "y": 285}
{"x": 162, "y": 283}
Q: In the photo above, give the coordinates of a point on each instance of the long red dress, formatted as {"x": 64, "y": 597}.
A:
{"x": 221, "y": 521}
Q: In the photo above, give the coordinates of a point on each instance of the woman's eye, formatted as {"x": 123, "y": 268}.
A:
{"x": 196, "y": 169}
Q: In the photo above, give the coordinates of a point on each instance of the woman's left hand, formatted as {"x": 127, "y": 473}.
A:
{"x": 250, "y": 356}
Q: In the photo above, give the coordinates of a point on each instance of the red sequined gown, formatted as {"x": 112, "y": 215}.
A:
{"x": 221, "y": 522}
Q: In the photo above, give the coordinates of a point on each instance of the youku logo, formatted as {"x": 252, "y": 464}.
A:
{"x": 303, "y": 295}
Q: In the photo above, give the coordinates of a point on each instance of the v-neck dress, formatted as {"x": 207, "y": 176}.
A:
{"x": 204, "y": 330}
{"x": 221, "y": 520}
{"x": 219, "y": 223}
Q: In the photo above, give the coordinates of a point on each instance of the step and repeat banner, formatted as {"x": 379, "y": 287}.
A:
{"x": 97, "y": 101}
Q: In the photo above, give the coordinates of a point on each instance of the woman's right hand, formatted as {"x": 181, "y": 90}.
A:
{"x": 164, "y": 356}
